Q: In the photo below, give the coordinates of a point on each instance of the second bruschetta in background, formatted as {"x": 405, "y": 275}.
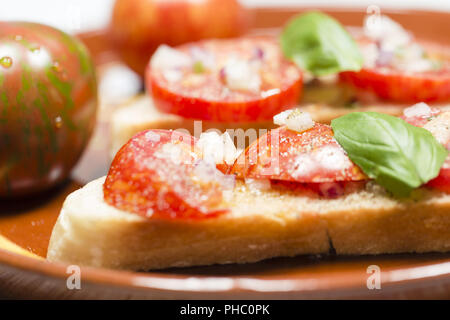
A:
{"x": 241, "y": 83}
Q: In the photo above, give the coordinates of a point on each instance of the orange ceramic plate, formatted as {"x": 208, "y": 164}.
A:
{"x": 25, "y": 228}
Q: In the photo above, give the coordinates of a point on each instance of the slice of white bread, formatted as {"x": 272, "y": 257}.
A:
{"x": 140, "y": 114}
{"x": 261, "y": 224}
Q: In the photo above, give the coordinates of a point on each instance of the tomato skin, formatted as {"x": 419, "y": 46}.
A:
{"x": 401, "y": 87}
{"x": 205, "y": 101}
{"x": 47, "y": 108}
{"x": 288, "y": 155}
{"x": 246, "y": 111}
{"x": 143, "y": 179}
{"x": 442, "y": 181}
{"x": 156, "y": 22}
{"x": 389, "y": 84}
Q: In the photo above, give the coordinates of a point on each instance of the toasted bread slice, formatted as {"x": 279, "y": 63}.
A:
{"x": 261, "y": 224}
{"x": 140, "y": 114}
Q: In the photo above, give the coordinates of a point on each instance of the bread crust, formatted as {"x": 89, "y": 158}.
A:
{"x": 261, "y": 224}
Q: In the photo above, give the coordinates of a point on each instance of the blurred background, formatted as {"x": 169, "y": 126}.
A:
{"x": 123, "y": 39}
{"x": 85, "y": 15}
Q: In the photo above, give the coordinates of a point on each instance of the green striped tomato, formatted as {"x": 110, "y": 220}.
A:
{"x": 48, "y": 101}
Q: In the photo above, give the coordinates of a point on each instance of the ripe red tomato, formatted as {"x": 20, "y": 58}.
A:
{"x": 158, "y": 174}
{"x": 312, "y": 156}
{"x": 138, "y": 27}
{"x": 442, "y": 181}
{"x": 388, "y": 83}
{"x": 48, "y": 100}
{"x": 206, "y": 95}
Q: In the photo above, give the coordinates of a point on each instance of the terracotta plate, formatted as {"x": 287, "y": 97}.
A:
{"x": 25, "y": 228}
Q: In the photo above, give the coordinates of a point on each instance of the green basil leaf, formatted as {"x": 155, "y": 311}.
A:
{"x": 399, "y": 156}
{"x": 318, "y": 43}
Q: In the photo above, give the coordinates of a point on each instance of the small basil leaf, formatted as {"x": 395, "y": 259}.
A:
{"x": 319, "y": 44}
{"x": 399, "y": 156}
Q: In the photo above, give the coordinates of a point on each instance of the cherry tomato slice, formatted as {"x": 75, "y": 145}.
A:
{"x": 312, "y": 156}
{"x": 205, "y": 94}
{"x": 391, "y": 84}
{"x": 158, "y": 173}
{"x": 395, "y": 86}
{"x": 442, "y": 181}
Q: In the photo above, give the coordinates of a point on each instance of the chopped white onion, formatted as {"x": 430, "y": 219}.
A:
{"x": 171, "y": 152}
{"x": 230, "y": 151}
{"x": 295, "y": 120}
{"x": 205, "y": 171}
{"x": 304, "y": 164}
{"x": 332, "y": 158}
{"x": 152, "y": 136}
{"x": 299, "y": 121}
{"x": 393, "y": 46}
{"x": 389, "y": 33}
{"x": 370, "y": 54}
{"x": 439, "y": 127}
{"x": 217, "y": 148}
{"x": 420, "y": 109}
{"x": 329, "y": 158}
{"x": 206, "y": 58}
{"x": 242, "y": 75}
{"x": 417, "y": 65}
{"x": 270, "y": 92}
{"x": 280, "y": 119}
{"x": 172, "y": 75}
{"x": 166, "y": 57}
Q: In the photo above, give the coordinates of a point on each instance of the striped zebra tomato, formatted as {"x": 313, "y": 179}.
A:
{"x": 48, "y": 100}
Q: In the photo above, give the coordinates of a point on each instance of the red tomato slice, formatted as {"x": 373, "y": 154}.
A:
{"x": 158, "y": 173}
{"x": 312, "y": 156}
{"x": 442, "y": 181}
{"x": 395, "y": 85}
{"x": 205, "y": 94}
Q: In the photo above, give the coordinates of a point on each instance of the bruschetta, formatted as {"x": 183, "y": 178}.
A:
{"x": 368, "y": 184}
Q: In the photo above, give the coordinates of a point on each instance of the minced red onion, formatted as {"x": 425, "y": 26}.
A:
{"x": 331, "y": 189}
{"x": 258, "y": 53}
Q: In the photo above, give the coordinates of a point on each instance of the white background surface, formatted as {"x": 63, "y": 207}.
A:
{"x": 81, "y": 15}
